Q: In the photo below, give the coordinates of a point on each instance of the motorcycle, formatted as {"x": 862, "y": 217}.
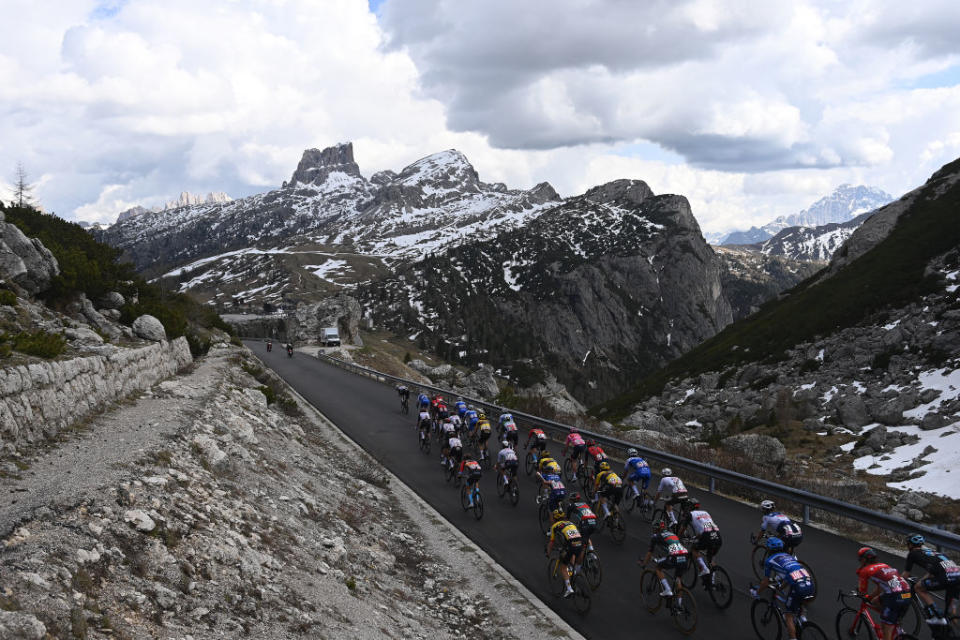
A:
{"x": 269, "y": 346}
{"x": 289, "y": 352}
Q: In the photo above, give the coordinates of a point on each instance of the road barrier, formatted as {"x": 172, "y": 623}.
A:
{"x": 937, "y": 537}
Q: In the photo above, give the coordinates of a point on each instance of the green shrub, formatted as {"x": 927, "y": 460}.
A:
{"x": 36, "y": 343}
{"x": 8, "y": 298}
{"x": 269, "y": 393}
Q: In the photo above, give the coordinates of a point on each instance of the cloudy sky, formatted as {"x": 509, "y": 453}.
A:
{"x": 751, "y": 112}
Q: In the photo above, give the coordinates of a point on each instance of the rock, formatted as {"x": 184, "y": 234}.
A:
{"x": 852, "y": 411}
{"x": 649, "y": 421}
{"x": 149, "y": 328}
{"x": 112, "y": 300}
{"x": 876, "y": 439}
{"x": 110, "y": 314}
{"x": 211, "y": 453}
{"x": 914, "y": 499}
{"x": 341, "y": 311}
{"x": 483, "y": 382}
{"x": 83, "y": 335}
{"x": 889, "y": 412}
{"x": 556, "y": 396}
{"x": 140, "y": 520}
{"x": 25, "y": 261}
{"x": 19, "y": 625}
{"x": 166, "y": 599}
{"x": 759, "y": 448}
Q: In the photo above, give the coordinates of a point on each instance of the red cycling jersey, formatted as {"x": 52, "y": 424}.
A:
{"x": 469, "y": 465}
{"x": 596, "y": 452}
{"x": 536, "y": 433}
{"x": 883, "y": 576}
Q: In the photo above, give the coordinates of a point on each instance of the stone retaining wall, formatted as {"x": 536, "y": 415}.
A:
{"x": 40, "y": 399}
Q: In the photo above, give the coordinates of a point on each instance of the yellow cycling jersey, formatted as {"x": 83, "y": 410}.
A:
{"x": 542, "y": 465}
{"x": 566, "y": 532}
{"x": 608, "y": 477}
{"x": 483, "y": 425}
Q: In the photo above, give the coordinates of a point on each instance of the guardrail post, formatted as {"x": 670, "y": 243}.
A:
{"x": 713, "y": 484}
{"x": 806, "y": 514}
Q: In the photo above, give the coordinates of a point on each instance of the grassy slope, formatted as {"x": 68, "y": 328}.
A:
{"x": 889, "y": 275}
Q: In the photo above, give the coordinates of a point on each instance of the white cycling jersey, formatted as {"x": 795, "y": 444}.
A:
{"x": 701, "y": 521}
{"x": 670, "y": 486}
{"x": 447, "y": 428}
{"x": 424, "y": 415}
{"x": 772, "y": 522}
{"x": 455, "y": 420}
{"x": 506, "y": 455}
{"x": 455, "y": 443}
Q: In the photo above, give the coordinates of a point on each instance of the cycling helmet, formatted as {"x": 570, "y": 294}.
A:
{"x": 482, "y": 415}
{"x": 574, "y": 430}
{"x": 574, "y": 497}
{"x": 558, "y": 514}
{"x": 766, "y": 506}
{"x": 604, "y": 466}
{"x": 666, "y": 472}
{"x": 631, "y": 452}
{"x": 545, "y": 454}
{"x": 660, "y": 525}
{"x": 552, "y": 467}
{"x": 916, "y": 540}
{"x": 504, "y": 444}
{"x": 866, "y": 553}
{"x": 774, "y": 544}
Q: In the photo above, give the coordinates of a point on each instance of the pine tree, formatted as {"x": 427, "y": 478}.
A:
{"x": 21, "y": 187}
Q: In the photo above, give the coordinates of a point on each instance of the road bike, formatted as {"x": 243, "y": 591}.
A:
{"x": 404, "y": 405}
{"x": 530, "y": 461}
{"x": 591, "y": 569}
{"x": 581, "y": 597}
{"x": 470, "y": 498}
{"x": 681, "y": 605}
{"x": 856, "y": 622}
{"x": 913, "y": 619}
{"x": 613, "y": 521}
{"x": 509, "y": 487}
{"x": 424, "y": 437}
{"x": 641, "y": 500}
{"x": 568, "y": 473}
{"x": 717, "y": 583}
{"x": 760, "y": 553}
{"x": 766, "y": 614}
{"x": 451, "y": 473}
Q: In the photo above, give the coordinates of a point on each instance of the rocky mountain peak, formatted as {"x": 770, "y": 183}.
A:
{"x": 187, "y": 199}
{"x": 316, "y": 165}
{"x": 132, "y": 211}
{"x": 625, "y": 191}
{"x": 543, "y": 192}
{"x": 448, "y": 169}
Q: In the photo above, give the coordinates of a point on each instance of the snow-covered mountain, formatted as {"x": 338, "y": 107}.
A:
{"x": 812, "y": 244}
{"x": 845, "y": 203}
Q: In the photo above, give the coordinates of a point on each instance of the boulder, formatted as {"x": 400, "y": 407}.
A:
{"x": 759, "y": 448}
{"x": 25, "y": 261}
{"x": 21, "y": 625}
{"x": 97, "y": 319}
{"x": 149, "y": 328}
{"x": 648, "y": 421}
{"x": 889, "y": 412}
{"x": 140, "y": 520}
{"x": 483, "y": 382}
{"x": 852, "y": 411}
{"x": 83, "y": 335}
{"x": 876, "y": 439}
{"x": 112, "y": 300}
{"x": 308, "y": 320}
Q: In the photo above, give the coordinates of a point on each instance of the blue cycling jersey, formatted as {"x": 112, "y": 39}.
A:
{"x": 461, "y": 407}
{"x": 636, "y": 466}
{"x": 423, "y": 400}
{"x": 787, "y": 568}
{"x": 472, "y": 418}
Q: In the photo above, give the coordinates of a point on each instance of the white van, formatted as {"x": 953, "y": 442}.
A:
{"x": 330, "y": 337}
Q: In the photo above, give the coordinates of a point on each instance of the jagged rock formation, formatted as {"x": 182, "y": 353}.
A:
{"x": 751, "y": 278}
{"x": 305, "y": 324}
{"x": 25, "y": 261}
{"x": 599, "y": 288}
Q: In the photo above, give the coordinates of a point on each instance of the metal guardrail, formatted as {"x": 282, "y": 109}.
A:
{"x": 808, "y": 500}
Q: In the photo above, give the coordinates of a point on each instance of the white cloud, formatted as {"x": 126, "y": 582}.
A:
{"x": 751, "y": 110}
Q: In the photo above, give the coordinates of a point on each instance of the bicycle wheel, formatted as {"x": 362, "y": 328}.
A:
{"x": 850, "y": 624}
{"x": 514, "y": 490}
{"x": 448, "y": 472}
{"x": 543, "y": 517}
{"x": 757, "y": 556}
{"x": 554, "y": 577}
{"x": 464, "y": 498}
{"x": 650, "y": 590}
{"x": 618, "y": 533}
{"x": 568, "y": 470}
{"x": 528, "y": 463}
{"x": 501, "y": 485}
{"x": 906, "y": 636}
{"x": 477, "y": 505}
{"x": 910, "y": 622}
{"x": 581, "y": 595}
{"x": 811, "y": 631}
{"x": 629, "y": 500}
{"x": 659, "y": 515}
{"x": 426, "y": 443}
{"x": 592, "y": 570}
{"x": 689, "y": 579}
{"x": 646, "y": 507}
{"x": 684, "y": 609}
{"x": 720, "y": 587}
{"x": 765, "y": 619}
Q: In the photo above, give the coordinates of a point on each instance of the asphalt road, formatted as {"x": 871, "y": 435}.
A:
{"x": 368, "y": 412}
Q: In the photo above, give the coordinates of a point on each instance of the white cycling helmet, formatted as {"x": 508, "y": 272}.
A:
{"x": 504, "y": 444}
{"x": 631, "y": 452}
{"x": 766, "y": 505}
{"x": 666, "y": 472}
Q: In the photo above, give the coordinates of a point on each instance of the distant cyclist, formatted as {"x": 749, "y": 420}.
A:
{"x": 635, "y": 470}
{"x": 461, "y": 407}
{"x": 670, "y": 555}
{"x": 942, "y": 574}
{"x": 706, "y": 533}
{"x": 470, "y": 419}
{"x": 596, "y": 453}
{"x": 446, "y": 433}
{"x": 423, "y": 403}
{"x": 454, "y": 450}
{"x": 608, "y": 487}
{"x": 886, "y": 591}
{"x": 470, "y": 471}
{"x": 580, "y": 514}
{"x": 577, "y": 446}
{"x": 786, "y": 570}
{"x": 483, "y": 430}
{"x": 673, "y": 491}
{"x": 507, "y": 430}
{"x": 404, "y": 393}
{"x": 442, "y": 412}
{"x": 538, "y": 438}
{"x": 507, "y": 462}
{"x": 551, "y": 483}
{"x": 777, "y": 524}
{"x": 424, "y": 417}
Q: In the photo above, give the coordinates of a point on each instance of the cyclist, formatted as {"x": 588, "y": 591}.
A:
{"x": 483, "y": 429}
{"x": 942, "y": 574}
{"x": 777, "y": 524}
{"x": 507, "y": 462}
{"x": 470, "y": 419}
{"x": 580, "y": 514}
{"x": 269, "y": 345}
{"x": 577, "y": 446}
{"x": 707, "y": 535}
{"x": 507, "y": 430}
{"x": 539, "y": 440}
{"x": 783, "y": 568}
{"x": 565, "y": 533}
{"x": 446, "y": 433}
{"x": 595, "y": 452}
{"x": 424, "y": 416}
{"x": 471, "y": 470}
{"x": 454, "y": 450}
{"x": 673, "y": 491}
{"x": 423, "y": 402}
{"x": 550, "y": 481}
{"x": 455, "y": 421}
{"x": 671, "y": 554}
{"x": 888, "y": 587}
{"x": 403, "y": 392}
{"x": 607, "y": 486}
{"x": 442, "y": 411}
{"x": 434, "y": 403}
{"x": 423, "y": 428}
{"x": 635, "y": 470}
{"x": 461, "y": 407}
